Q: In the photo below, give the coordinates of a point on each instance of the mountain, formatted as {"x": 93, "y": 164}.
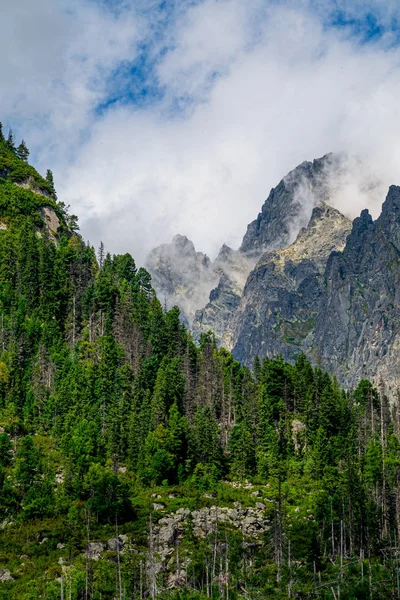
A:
{"x": 181, "y": 276}
{"x": 357, "y": 331}
{"x": 231, "y": 268}
{"x": 335, "y": 299}
{"x": 296, "y": 285}
{"x": 136, "y": 463}
{"x": 281, "y": 299}
{"x": 208, "y": 293}
{"x": 289, "y": 205}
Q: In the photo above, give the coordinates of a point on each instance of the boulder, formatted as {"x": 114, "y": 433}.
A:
{"x": 5, "y": 575}
{"x": 94, "y": 550}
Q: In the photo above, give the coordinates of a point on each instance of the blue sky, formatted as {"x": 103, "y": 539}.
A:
{"x": 172, "y": 117}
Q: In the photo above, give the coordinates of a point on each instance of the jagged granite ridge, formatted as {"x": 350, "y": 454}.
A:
{"x": 289, "y": 205}
{"x": 357, "y": 333}
{"x": 181, "y": 276}
{"x": 280, "y": 301}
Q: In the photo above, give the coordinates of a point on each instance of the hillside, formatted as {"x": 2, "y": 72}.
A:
{"x": 135, "y": 463}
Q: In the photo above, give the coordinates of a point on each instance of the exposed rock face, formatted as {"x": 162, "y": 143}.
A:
{"x": 289, "y": 205}
{"x": 29, "y": 184}
{"x": 232, "y": 268}
{"x": 94, "y": 550}
{"x": 303, "y": 280}
{"x": 51, "y": 220}
{"x": 281, "y": 299}
{"x": 208, "y": 294}
{"x": 5, "y": 575}
{"x": 252, "y": 522}
{"x": 181, "y": 276}
{"x": 357, "y": 332}
{"x": 344, "y": 316}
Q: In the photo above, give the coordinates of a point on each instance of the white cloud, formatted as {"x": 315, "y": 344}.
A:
{"x": 57, "y": 56}
{"x": 251, "y": 90}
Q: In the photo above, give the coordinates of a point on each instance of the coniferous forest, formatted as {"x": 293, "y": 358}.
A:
{"x": 136, "y": 464}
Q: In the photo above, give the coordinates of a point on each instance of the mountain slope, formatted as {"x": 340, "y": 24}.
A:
{"x": 181, "y": 276}
{"x": 357, "y": 333}
{"x": 281, "y": 298}
{"x": 209, "y": 293}
{"x": 289, "y": 205}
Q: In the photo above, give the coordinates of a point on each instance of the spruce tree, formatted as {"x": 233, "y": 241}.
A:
{"x": 10, "y": 141}
{"x": 23, "y": 152}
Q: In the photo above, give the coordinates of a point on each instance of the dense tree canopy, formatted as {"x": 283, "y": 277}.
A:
{"x": 104, "y": 398}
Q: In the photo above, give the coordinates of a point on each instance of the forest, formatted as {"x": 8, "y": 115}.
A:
{"x": 137, "y": 464}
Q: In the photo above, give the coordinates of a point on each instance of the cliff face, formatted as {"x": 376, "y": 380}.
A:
{"x": 345, "y": 316}
{"x": 232, "y": 268}
{"x": 289, "y": 205}
{"x": 280, "y": 302}
{"x": 181, "y": 276}
{"x": 357, "y": 333}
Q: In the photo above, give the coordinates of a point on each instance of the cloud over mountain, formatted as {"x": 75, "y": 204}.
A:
{"x": 159, "y": 121}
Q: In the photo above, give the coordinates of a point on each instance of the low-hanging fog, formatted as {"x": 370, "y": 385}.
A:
{"x": 160, "y": 121}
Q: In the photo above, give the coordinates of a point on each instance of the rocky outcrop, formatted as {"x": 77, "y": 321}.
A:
{"x": 30, "y": 184}
{"x": 289, "y": 205}
{"x": 52, "y": 222}
{"x": 281, "y": 299}
{"x": 181, "y": 276}
{"x": 297, "y": 284}
{"x": 5, "y": 575}
{"x": 357, "y": 333}
{"x": 336, "y": 299}
{"x": 232, "y": 268}
{"x": 94, "y": 550}
{"x": 251, "y": 522}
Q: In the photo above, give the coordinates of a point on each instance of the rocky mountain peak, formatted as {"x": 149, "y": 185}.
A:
{"x": 389, "y": 220}
{"x": 181, "y": 276}
{"x": 279, "y": 304}
{"x": 289, "y": 205}
{"x": 181, "y": 243}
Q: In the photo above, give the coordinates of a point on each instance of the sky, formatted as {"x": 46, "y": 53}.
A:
{"x": 179, "y": 116}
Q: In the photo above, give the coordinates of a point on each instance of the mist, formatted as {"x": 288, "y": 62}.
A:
{"x": 244, "y": 92}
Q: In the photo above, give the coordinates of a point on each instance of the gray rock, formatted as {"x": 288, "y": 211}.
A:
{"x": 166, "y": 535}
{"x": 94, "y": 550}
{"x": 181, "y": 276}
{"x": 177, "y": 579}
{"x": 5, "y": 575}
{"x": 115, "y": 544}
{"x": 281, "y": 300}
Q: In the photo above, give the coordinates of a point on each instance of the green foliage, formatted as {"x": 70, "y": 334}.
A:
{"x": 107, "y": 403}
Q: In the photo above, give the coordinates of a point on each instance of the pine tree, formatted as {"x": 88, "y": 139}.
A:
{"x": 50, "y": 181}
{"x": 10, "y": 141}
{"x": 23, "y": 152}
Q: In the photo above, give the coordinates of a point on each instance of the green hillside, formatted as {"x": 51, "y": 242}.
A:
{"x": 136, "y": 464}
